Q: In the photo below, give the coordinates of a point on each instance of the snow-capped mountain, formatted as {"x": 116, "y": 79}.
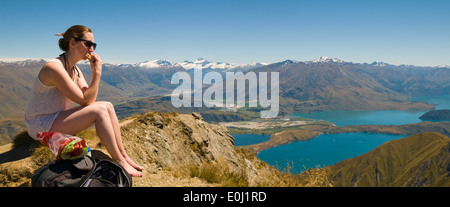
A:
{"x": 443, "y": 66}
{"x": 155, "y": 64}
{"x": 327, "y": 60}
{"x": 206, "y": 64}
{"x": 188, "y": 65}
{"x": 380, "y": 64}
{"x": 199, "y": 63}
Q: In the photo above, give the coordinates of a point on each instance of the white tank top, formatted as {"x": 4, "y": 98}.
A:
{"x": 46, "y": 101}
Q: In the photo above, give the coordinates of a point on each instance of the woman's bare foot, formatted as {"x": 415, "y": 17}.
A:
{"x": 133, "y": 172}
{"x": 133, "y": 164}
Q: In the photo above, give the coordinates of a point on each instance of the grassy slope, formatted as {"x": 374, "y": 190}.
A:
{"x": 417, "y": 160}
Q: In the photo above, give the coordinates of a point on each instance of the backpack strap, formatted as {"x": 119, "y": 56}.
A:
{"x": 124, "y": 179}
{"x": 91, "y": 170}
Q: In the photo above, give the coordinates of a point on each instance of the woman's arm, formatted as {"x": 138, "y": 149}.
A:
{"x": 53, "y": 75}
{"x": 82, "y": 84}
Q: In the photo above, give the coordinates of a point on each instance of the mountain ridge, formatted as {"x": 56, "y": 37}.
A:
{"x": 304, "y": 86}
{"x": 414, "y": 161}
{"x": 200, "y": 63}
{"x": 130, "y": 82}
{"x": 309, "y": 87}
{"x": 321, "y": 59}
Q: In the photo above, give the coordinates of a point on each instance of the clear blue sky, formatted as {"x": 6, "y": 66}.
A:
{"x": 237, "y": 31}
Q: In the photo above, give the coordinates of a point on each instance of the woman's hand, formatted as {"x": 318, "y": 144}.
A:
{"x": 96, "y": 64}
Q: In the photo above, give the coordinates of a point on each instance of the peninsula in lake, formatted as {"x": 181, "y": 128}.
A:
{"x": 436, "y": 115}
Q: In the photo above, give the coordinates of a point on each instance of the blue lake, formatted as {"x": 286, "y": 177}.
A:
{"x": 381, "y": 117}
{"x": 328, "y": 149}
{"x": 344, "y": 118}
{"x": 324, "y": 150}
{"x": 248, "y": 139}
{"x": 441, "y": 102}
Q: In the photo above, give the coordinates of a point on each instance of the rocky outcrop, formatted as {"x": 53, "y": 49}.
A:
{"x": 175, "y": 150}
{"x": 185, "y": 143}
{"x": 171, "y": 140}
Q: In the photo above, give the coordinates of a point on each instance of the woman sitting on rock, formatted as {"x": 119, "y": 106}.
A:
{"x": 60, "y": 83}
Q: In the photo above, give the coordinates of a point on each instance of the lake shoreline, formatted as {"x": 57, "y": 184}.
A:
{"x": 310, "y": 131}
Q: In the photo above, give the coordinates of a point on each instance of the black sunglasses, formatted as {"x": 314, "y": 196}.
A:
{"x": 87, "y": 43}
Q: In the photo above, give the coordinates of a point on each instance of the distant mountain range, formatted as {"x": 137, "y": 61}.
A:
{"x": 332, "y": 84}
{"x": 317, "y": 85}
{"x": 321, "y": 84}
{"x": 205, "y": 64}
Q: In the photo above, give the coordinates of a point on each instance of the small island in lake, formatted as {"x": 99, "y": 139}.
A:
{"x": 436, "y": 115}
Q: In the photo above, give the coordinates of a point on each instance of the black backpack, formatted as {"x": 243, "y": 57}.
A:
{"x": 81, "y": 172}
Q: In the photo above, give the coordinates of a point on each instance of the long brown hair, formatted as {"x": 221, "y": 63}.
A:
{"x": 76, "y": 31}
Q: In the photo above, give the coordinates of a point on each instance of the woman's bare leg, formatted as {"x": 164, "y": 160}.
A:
{"x": 116, "y": 127}
{"x": 79, "y": 118}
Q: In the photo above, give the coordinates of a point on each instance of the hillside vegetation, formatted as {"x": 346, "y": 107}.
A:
{"x": 418, "y": 160}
